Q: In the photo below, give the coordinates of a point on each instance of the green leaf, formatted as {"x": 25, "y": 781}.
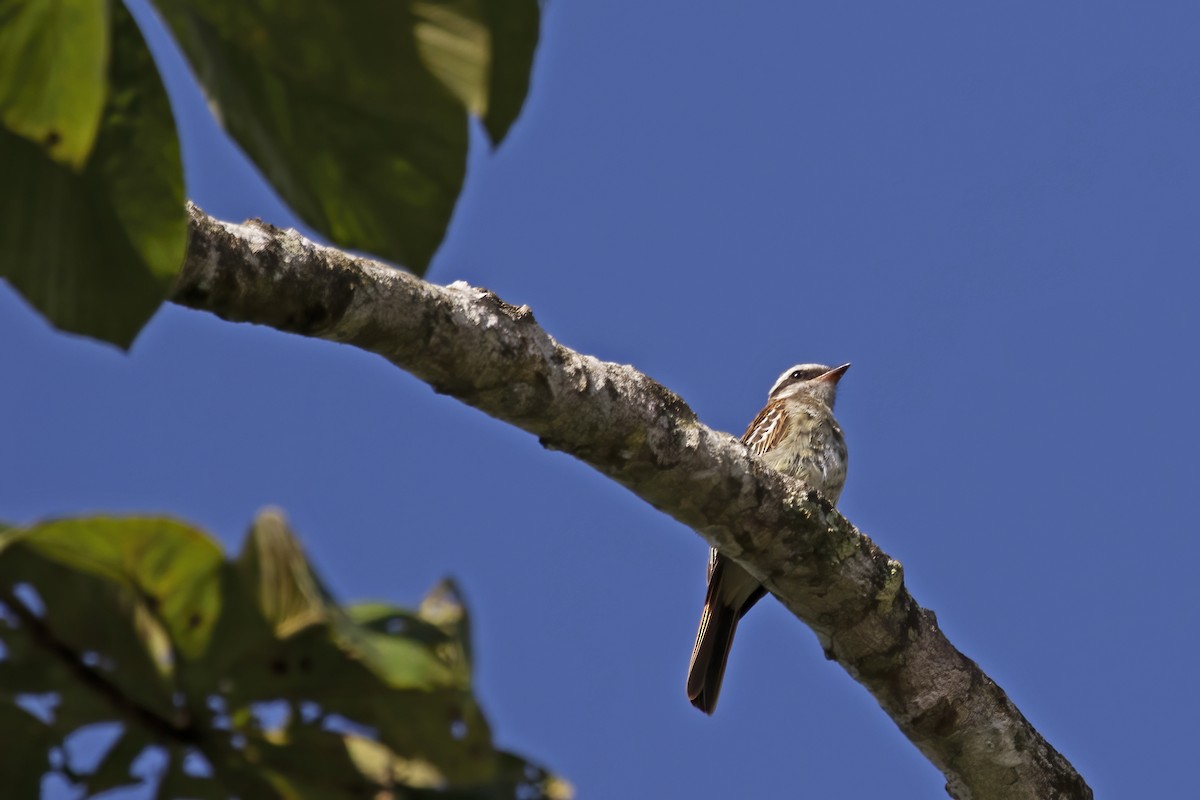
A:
{"x": 444, "y": 607}
{"x": 109, "y": 601}
{"x": 456, "y": 47}
{"x": 443, "y": 726}
{"x": 26, "y": 671}
{"x": 514, "y": 26}
{"x": 314, "y": 763}
{"x": 428, "y": 649}
{"x": 96, "y": 250}
{"x": 278, "y": 576}
{"x": 239, "y": 633}
{"x": 357, "y": 115}
{"x": 53, "y": 59}
{"x": 24, "y": 741}
{"x": 405, "y": 650}
{"x": 410, "y": 683}
{"x": 163, "y": 566}
{"x": 337, "y": 112}
{"x": 516, "y": 778}
{"x": 114, "y": 768}
{"x": 143, "y": 618}
{"x": 177, "y": 783}
{"x": 482, "y": 51}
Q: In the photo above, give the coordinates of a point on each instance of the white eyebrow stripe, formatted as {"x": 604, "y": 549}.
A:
{"x": 787, "y": 374}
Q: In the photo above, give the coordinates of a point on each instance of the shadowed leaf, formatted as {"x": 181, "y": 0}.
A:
{"x": 114, "y": 768}
{"x": 359, "y": 118}
{"x": 24, "y": 742}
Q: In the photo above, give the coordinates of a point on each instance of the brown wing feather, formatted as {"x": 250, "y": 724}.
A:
{"x": 731, "y": 590}
{"x": 767, "y": 429}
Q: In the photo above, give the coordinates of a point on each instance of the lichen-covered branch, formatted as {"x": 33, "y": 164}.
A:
{"x": 468, "y": 343}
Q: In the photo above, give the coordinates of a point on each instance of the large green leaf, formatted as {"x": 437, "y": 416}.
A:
{"x": 357, "y": 112}
{"x": 100, "y": 615}
{"x": 167, "y": 566}
{"x": 53, "y": 59}
{"x": 95, "y": 245}
{"x": 144, "y": 622}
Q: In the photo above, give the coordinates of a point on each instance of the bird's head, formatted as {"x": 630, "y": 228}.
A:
{"x": 814, "y": 380}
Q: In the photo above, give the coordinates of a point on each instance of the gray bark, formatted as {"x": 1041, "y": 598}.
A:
{"x": 468, "y": 343}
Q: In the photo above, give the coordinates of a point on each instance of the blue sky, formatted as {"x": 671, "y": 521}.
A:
{"x": 991, "y": 211}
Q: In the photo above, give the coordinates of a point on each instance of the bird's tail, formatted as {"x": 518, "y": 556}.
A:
{"x": 718, "y": 621}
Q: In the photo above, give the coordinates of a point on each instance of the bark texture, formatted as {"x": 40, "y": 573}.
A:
{"x": 468, "y": 343}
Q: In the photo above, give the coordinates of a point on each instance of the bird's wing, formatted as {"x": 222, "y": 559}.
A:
{"x": 767, "y": 428}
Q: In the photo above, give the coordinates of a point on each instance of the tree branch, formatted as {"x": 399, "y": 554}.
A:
{"x": 468, "y": 343}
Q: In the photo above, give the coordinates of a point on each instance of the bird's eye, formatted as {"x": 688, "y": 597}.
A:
{"x": 797, "y": 374}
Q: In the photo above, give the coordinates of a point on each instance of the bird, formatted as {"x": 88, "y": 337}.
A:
{"x": 796, "y": 434}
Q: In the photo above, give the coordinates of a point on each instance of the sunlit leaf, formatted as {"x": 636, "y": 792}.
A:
{"x": 277, "y": 574}
{"x": 166, "y": 566}
{"x": 53, "y": 62}
{"x": 482, "y": 51}
{"x": 456, "y": 46}
{"x": 95, "y": 248}
{"x": 315, "y": 763}
{"x": 92, "y": 622}
{"x": 406, "y": 650}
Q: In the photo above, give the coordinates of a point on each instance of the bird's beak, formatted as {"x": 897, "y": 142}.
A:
{"x": 834, "y": 375}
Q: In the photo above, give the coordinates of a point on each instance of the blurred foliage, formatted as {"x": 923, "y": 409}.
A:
{"x": 244, "y": 677}
{"x": 355, "y": 112}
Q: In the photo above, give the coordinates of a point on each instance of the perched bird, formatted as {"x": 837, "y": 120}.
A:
{"x": 796, "y": 434}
